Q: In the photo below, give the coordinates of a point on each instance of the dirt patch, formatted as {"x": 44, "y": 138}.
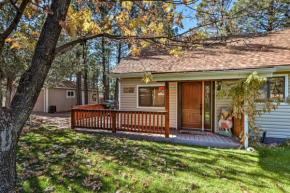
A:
{"x": 59, "y": 120}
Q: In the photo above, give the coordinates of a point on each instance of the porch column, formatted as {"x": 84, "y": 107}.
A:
{"x": 167, "y": 109}
{"x": 202, "y": 106}
{"x": 246, "y": 131}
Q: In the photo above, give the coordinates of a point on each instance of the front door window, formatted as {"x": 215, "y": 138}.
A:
{"x": 207, "y": 104}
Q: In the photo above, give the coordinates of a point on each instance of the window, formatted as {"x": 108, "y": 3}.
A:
{"x": 151, "y": 96}
{"x": 273, "y": 88}
{"x": 207, "y": 104}
{"x": 70, "y": 94}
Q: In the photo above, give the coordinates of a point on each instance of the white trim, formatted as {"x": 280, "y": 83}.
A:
{"x": 203, "y": 104}
{"x": 246, "y": 131}
{"x": 205, "y": 75}
{"x": 119, "y": 94}
{"x": 149, "y": 107}
{"x": 176, "y": 105}
{"x": 46, "y": 101}
{"x": 285, "y": 84}
{"x": 214, "y": 114}
{"x": 70, "y": 96}
{"x": 120, "y": 122}
{"x": 282, "y": 68}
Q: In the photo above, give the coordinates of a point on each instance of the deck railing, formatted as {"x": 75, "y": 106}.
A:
{"x": 156, "y": 122}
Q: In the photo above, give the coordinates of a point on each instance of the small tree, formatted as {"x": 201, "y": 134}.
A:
{"x": 245, "y": 98}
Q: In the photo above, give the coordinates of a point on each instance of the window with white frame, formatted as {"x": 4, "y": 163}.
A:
{"x": 151, "y": 96}
{"x": 70, "y": 94}
{"x": 275, "y": 87}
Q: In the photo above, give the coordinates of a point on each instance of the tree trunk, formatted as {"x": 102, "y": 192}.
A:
{"x": 97, "y": 87}
{"x": 79, "y": 88}
{"x": 271, "y": 16}
{"x": 104, "y": 70}
{"x": 9, "y": 89}
{"x": 8, "y": 141}
{"x": 13, "y": 119}
{"x": 86, "y": 86}
{"x": 1, "y": 79}
{"x": 117, "y": 80}
{"x": 108, "y": 78}
{"x": 86, "y": 89}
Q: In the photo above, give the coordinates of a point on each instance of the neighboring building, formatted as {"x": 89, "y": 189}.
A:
{"x": 194, "y": 77}
{"x": 63, "y": 96}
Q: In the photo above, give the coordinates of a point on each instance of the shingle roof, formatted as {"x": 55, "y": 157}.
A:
{"x": 66, "y": 84}
{"x": 62, "y": 84}
{"x": 245, "y": 52}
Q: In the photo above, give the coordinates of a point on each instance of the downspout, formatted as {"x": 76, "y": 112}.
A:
{"x": 46, "y": 102}
{"x": 246, "y": 132}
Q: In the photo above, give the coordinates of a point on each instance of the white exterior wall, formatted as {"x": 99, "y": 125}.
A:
{"x": 129, "y": 101}
{"x": 276, "y": 123}
{"x": 173, "y": 91}
{"x": 221, "y": 102}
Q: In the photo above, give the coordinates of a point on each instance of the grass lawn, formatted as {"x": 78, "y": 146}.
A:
{"x": 64, "y": 161}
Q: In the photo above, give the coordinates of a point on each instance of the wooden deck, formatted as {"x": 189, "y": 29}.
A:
{"x": 146, "y": 125}
{"x": 197, "y": 138}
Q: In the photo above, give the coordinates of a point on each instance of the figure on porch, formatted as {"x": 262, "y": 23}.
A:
{"x": 225, "y": 123}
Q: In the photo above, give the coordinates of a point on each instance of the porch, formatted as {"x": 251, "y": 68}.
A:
{"x": 203, "y": 138}
{"x": 145, "y": 125}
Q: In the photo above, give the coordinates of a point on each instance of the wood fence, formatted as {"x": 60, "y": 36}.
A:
{"x": 121, "y": 120}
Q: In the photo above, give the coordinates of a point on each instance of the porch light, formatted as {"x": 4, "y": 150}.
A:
{"x": 219, "y": 85}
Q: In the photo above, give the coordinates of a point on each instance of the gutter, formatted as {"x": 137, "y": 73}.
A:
{"x": 206, "y": 75}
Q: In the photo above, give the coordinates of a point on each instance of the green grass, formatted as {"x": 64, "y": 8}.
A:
{"x": 143, "y": 166}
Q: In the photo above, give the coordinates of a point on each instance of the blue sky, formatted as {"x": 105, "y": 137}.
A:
{"x": 188, "y": 23}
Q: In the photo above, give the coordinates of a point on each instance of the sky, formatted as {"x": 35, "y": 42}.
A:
{"x": 187, "y": 23}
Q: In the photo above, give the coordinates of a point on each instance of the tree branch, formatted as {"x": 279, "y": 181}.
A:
{"x": 16, "y": 19}
{"x": 13, "y": 25}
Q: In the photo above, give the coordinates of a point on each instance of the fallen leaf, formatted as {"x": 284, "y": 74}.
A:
{"x": 69, "y": 187}
{"x": 59, "y": 180}
{"x": 278, "y": 185}
{"x": 49, "y": 189}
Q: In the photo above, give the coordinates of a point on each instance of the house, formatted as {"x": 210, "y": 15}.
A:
{"x": 62, "y": 96}
{"x": 192, "y": 80}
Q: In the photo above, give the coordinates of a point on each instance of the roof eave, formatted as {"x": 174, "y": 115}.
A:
{"x": 204, "y": 75}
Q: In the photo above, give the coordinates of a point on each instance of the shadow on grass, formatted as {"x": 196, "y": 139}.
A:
{"x": 148, "y": 160}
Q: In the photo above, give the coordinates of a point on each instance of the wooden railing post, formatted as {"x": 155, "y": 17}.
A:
{"x": 114, "y": 121}
{"x": 73, "y": 119}
{"x": 167, "y": 109}
{"x": 166, "y": 125}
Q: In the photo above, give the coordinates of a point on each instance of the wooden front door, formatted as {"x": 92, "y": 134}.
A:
{"x": 191, "y": 105}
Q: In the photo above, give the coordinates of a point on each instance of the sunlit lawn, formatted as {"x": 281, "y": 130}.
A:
{"x": 64, "y": 161}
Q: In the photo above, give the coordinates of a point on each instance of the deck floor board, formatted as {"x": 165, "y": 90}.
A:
{"x": 200, "y": 139}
